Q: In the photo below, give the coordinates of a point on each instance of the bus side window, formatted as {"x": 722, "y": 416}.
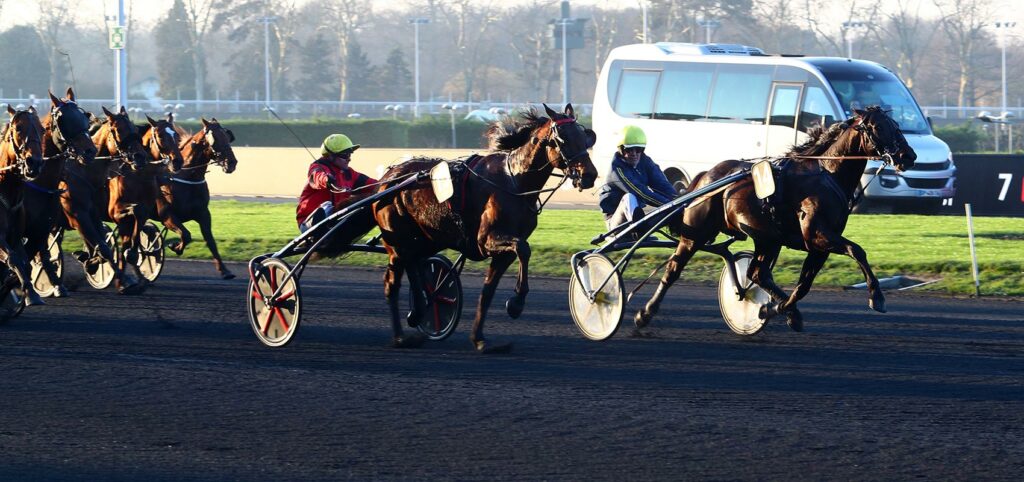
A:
{"x": 741, "y": 93}
{"x": 636, "y": 93}
{"x": 816, "y": 110}
{"x": 683, "y": 92}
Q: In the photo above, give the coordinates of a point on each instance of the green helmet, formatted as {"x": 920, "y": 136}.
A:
{"x": 633, "y": 136}
{"x": 336, "y": 143}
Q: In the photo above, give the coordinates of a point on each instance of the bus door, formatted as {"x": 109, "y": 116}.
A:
{"x": 783, "y": 110}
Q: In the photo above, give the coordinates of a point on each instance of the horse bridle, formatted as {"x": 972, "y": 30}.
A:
{"x": 567, "y": 161}
{"x": 21, "y": 154}
{"x": 216, "y": 157}
{"x": 59, "y": 137}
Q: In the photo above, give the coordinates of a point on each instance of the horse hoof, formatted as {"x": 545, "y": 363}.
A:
{"x": 177, "y": 248}
{"x": 412, "y": 319}
{"x": 795, "y": 320}
{"x": 767, "y": 311}
{"x": 413, "y": 340}
{"x": 877, "y": 304}
{"x": 484, "y": 347}
{"x": 60, "y": 292}
{"x": 641, "y": 320}
{"x": 225, "y": 275}
{"x": 514, "y": 306}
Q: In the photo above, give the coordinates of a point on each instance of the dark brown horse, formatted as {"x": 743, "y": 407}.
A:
{"x": 494, "y": 212}
{"x": 185, "y": 196}
{"x": 65, "y": 141}
{"x": 21, "y": 158}
{"x": 87, "y": 201}
{"x": 817, "y": 193}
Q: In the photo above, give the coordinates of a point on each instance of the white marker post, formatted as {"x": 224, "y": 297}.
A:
{"x": 974, "y": 254}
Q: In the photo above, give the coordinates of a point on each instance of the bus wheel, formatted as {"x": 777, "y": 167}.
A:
{"x": 679, "y": 180}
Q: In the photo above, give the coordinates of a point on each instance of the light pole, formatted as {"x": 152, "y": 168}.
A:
{"x": 1002, "y": 29}
{"x": 451, "y": 108}
{"x": 117, "y": 37}
{"x": 708, "y": 24}
{"x": 849, "y": 27}
{"x": 416, "y": 22}
{"x": 266, "y": 56}
{"x": 564, "y": 23}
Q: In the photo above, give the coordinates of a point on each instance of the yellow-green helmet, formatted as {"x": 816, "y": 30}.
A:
{"x": 633, "y": 136}
{"x": 336, "y": 143}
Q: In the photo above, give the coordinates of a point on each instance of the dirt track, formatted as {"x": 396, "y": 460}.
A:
{"x": 172, "y": 385}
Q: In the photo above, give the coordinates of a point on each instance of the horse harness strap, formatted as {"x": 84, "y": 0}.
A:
{"x": 186, "y": 181}
{"x": 42, "y": 189}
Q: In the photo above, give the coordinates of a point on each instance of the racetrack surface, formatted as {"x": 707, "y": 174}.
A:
{"x": 173, "y": 385}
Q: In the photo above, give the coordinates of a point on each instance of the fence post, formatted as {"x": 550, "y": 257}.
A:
{"x": 974, "y": 254}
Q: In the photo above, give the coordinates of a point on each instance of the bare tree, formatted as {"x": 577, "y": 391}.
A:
{"x": 963, "y": 22}
{"x": 531, "y": 46}
{"x": 345, "y": 17}
{"x": 903, "y": 36}
{"x": 199, "y": 15}
{"x": 470, "y": 20}
{"x": 244, "y": 19}
{"x": 54, "y": 16}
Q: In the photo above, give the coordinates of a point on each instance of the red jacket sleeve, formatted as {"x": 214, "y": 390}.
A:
{"x": 318, "y": 176}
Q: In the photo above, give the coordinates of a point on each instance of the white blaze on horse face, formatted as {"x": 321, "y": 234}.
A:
{"x": 170, "y": 132}
{"x": 209, "y": 139}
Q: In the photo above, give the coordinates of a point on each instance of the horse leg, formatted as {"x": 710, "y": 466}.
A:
{"x": 499, "y": 264}
{"x": 419, "y": 302}
{"x": 521, "y": 248}
{"x": 205, "y": 226}
{"x": 15, "y": 258}
{"x": 840, "y": 245}
{"x": 760, "y": 272}
{"x": 165, "y": 214}
{"x": 392, "y": 287}
{"x": 684, "y": 251}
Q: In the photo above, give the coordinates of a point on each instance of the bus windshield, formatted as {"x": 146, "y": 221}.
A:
{"x": 863, "y": 89}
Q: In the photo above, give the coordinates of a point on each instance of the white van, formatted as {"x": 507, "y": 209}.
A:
{"x": 700, "y": 104}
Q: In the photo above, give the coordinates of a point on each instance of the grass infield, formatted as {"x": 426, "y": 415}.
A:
{"x": 920, "y": 247}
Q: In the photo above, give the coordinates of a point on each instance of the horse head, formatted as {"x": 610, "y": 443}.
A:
{"x": 123, "y": 138}
{"x": 24, "y": 138}
{"x": 218, "y": 144}
{"x": 69, "y": 128}
{"x": 567, "y": 147}
{"x": 161, "y": 140}
{"x": 879, "y": 134}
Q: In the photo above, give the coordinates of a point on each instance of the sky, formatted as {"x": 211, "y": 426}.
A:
{"x": 148, "y": 11}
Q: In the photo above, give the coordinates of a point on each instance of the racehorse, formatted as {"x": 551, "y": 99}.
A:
{"x": 492, "y": 215}
{"x": 86, "y": 194}
{"x": 817, "y": 194}
{"x": 185, "y": 196}
{"x": 65, "y": 140}
{"x": 21, "y": 158}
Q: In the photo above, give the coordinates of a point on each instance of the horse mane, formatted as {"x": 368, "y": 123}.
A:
{"x": 821, "y": 139}
{"x": 510, "y": 133}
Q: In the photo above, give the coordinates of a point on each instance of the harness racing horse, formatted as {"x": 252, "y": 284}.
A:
{"x": 493, "y": 214}
{"x": 21, "y": 158}
{"x": 65, "y": 141}
{"x": 817, "y": 195}
{"x": 86, "y": 195}
{"x": 185, "y": 196}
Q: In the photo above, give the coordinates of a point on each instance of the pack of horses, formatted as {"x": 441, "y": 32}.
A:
{"x": 70, "y": 169}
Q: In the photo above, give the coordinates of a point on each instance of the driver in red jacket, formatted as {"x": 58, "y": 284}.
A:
{"x": 330, "y": 182}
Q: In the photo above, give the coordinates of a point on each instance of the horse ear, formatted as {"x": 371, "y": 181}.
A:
{"x": 107, "y": 112}
{"x": 591, "y": 137}
{"x": 54, "y": 99}
{"x": 10, "y": 110}
{"x": 170, "y": 117}
{"x": 205, "y": 122}
{"x": 214, "y": 119}
{"x": 151, "y": 121}
{"x": 551, "y": 113}
{"x": 71, "y": 94}
{"x": 569, "y": 111}
{"x": 124, "y": 112}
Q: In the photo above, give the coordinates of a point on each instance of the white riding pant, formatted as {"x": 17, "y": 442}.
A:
{"x": 624, "y": 212}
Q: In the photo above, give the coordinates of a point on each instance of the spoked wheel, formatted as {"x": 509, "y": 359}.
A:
{"x": 597, "y": 319}
{"x": 274, "y": 319}
{"x": 444, "y": 296}
{"x": 741, "y": 314}
{"x": 151, "y": 251}
{"x": 103, "y": 273}
{"x": 42, "y": 283}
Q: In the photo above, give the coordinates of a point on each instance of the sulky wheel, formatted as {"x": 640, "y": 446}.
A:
{"x": 444, "y": 298}
{"x": 42, "y": 283}
{"x": 597, "y": 319}
{"x": 274, "y": 320}
{"x": 741, "y": 314}
{"x": 151, "y": 252}
{"x": 102, "y": 274}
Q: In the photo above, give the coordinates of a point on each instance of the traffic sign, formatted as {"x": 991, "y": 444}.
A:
{"x": 117, "y": 37}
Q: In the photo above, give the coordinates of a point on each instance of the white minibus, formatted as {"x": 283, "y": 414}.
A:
{"x": 703, "y": 103}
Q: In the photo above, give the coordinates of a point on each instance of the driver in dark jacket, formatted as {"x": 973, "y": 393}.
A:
{"x": 634, "y": 181}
